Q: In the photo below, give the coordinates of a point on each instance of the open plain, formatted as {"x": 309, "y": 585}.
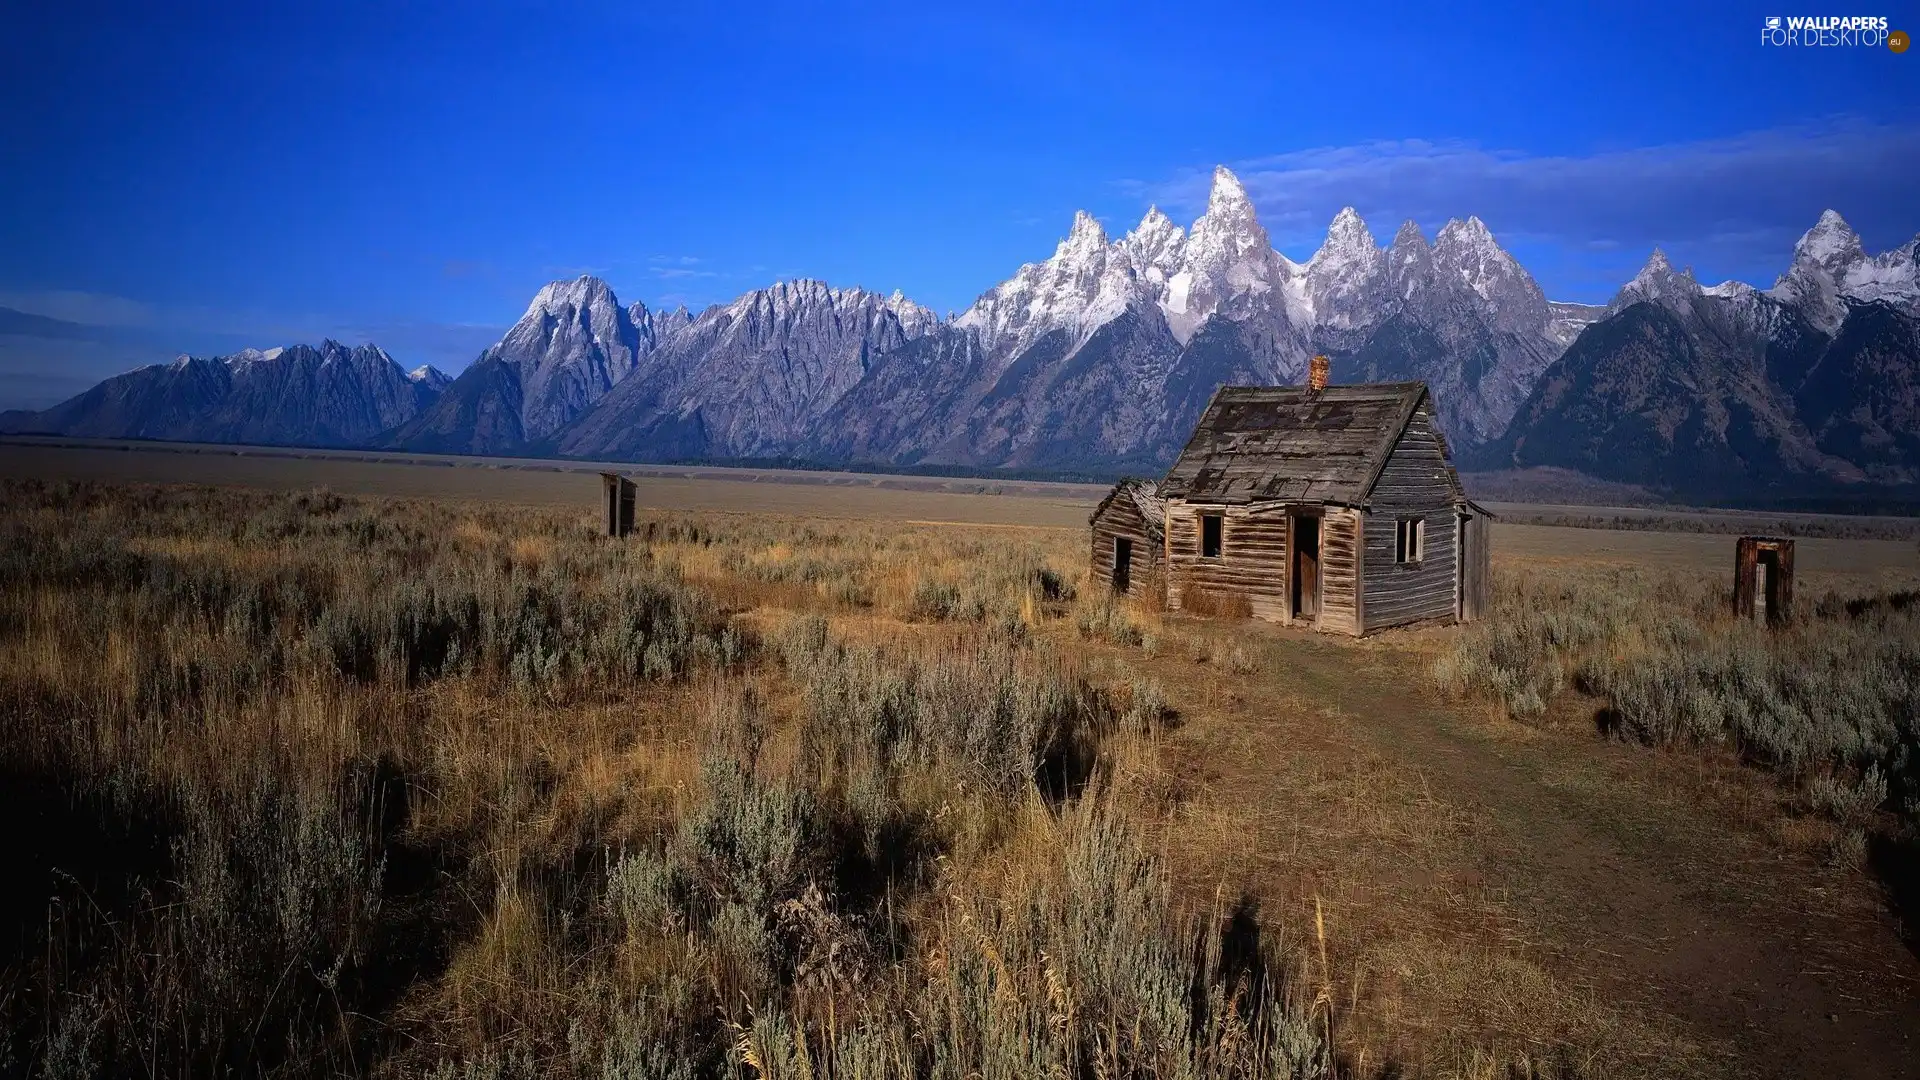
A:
{"x": 336, "y": 765}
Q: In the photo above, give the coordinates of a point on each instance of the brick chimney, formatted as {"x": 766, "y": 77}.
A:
{"x": 1317, "y": 374}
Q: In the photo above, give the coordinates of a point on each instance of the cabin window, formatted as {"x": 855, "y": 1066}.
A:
{"x": 1409, "y": 540}
{"x": 1209, "y": 536}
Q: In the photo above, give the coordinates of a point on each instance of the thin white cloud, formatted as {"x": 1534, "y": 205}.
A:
{"x": 76, "y": 306}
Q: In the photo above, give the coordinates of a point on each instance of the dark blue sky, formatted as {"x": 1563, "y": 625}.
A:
{"x": 411, "y": 174}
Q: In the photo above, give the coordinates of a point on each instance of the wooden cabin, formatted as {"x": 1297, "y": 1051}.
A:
{"x": 1335, "y": 507}
{"x": 1129, "y": 538}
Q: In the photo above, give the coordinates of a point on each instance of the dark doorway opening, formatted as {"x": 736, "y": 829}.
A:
{"x": 1122, "y": 563}
{"x": 1765, "y": 595}
{"x": 1306, "y": 568}
{"x": 1763, "y": 579}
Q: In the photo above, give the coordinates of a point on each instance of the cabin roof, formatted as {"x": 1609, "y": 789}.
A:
{"x": 1146, "y": 497}
{"x": 1289, "y": 443}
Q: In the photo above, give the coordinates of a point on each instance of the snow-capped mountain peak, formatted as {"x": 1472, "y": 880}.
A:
{"x": 1228, "y": 197}
{"x": 1155, "y": 247}
{"x": 1409, "y": 237}
{"x": 915, "y": 320}
{"x": 1830, "y": 267}
{"x": 246, "y": 357}
{"x": 1087, "y": 282}
{"x": 1468, "y": 243}
{"x": 582, "y": 293}
{"x": 1228, "y": 265}
{"x": 1348, "y": 240}
{"x": 1658, "y": 282}
{"x": 429, "y": 376}
{"x": 1229, "y": 228}
{"x": 1156, "y": 225}
{"x": 1338, "y": 284}
{"x": 1084, "y": 240}
{"x": 1466, "y": 253}
{"x": 1471, "y": 230}
{"x": 1831, "y": 244}
{"x": 1892, "y": 276}
{"x": 1409, "y": 261}
{"x": 574, "y": 342}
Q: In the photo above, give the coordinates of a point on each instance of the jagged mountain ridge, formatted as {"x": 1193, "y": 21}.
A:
{"x": 747, "y": 379}
{"x": 573, "y": 344}
{"x": 1706, "y": 391}
{"x": 1460, "y": 314}
{"x": 1099, "y": 357}
{"x": 1091, "y": 355}
{"x": 330, "y": 395}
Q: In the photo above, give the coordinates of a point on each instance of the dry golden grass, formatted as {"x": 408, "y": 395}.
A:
{"x": 742, "y": 795}
{"x": 425, "y": 789}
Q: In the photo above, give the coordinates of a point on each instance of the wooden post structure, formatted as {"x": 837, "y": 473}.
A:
{"x": 1752, "y": 556}
{"x": 619, "y": 492}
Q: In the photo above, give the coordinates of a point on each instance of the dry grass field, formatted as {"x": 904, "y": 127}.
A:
{"x": 421, "y": 776}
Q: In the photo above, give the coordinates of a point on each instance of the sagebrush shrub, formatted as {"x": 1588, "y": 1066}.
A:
{"x": 470, "y": 791}
{"x": 1834, "y": 694}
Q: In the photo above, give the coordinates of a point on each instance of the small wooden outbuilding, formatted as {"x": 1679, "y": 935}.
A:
{"x": 618, "y": 493}
{"x": 1763, "y": 579}
{"x": 1335, "y": 507}
{"x": 1129, "y": 536}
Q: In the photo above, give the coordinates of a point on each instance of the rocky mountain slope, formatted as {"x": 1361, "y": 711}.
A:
{"x": 1707, "y": 392}
{"x": 301, "y": 395}
{"x": 748, "y": 379}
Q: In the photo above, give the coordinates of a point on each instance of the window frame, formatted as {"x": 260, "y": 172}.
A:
{"x": 1409, "y": 541}
{"x": 1217, "y": 523}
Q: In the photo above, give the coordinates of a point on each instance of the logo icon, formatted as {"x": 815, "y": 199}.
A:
{"x": 1773, "y": 22}
{"x": 1898, "y": 41}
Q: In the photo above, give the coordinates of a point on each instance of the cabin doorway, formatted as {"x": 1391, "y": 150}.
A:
{"x": 1122, "y": 563}
{"x": 1305, "y": 578}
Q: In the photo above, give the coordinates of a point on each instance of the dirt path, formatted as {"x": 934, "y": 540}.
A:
{"x": 1582, "y": 901}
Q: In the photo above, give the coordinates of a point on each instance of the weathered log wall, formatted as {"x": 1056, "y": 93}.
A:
{"x": 1414, "y": 484}
{"x": 1121, "y": 518}
{"x": 1340, "y": 569}
{"x": 1253, "y": 561}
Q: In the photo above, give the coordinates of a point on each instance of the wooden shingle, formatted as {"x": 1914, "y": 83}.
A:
{"x": 1287, "y": 443}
